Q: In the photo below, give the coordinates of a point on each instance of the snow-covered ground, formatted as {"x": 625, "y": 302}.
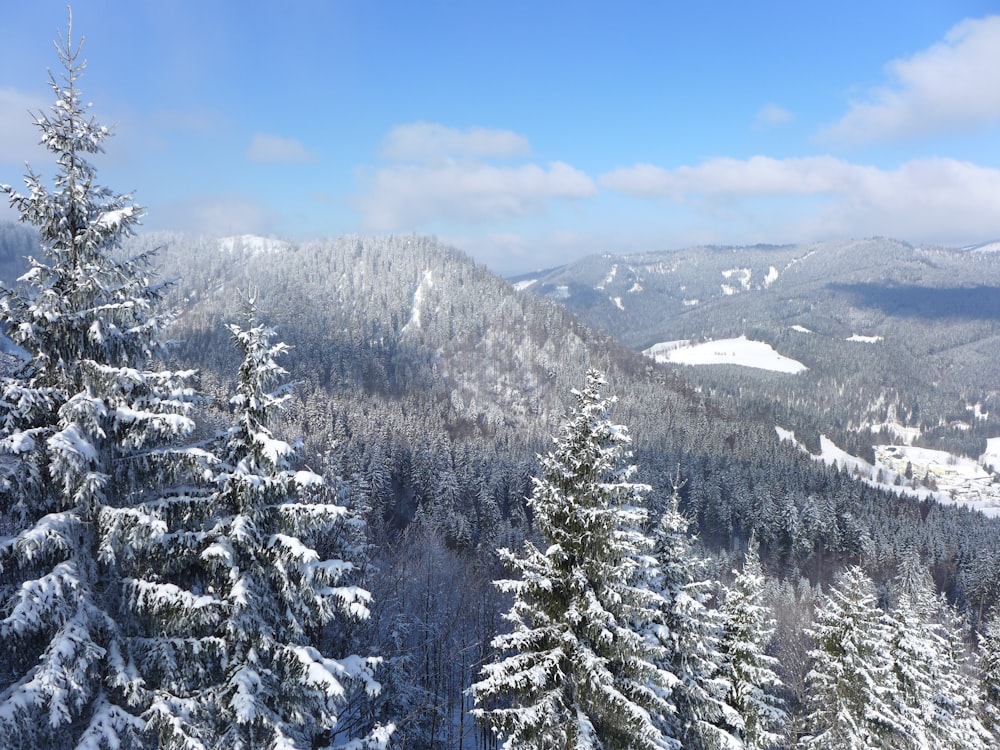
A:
{"x": 950, "y": 479}
{"x": 992, "y": 455}
{"x": 740, "y": 351}
{"x": 743, "y": 275}
{"x": 426, "y": 283}
{"x": 864, "y": 339}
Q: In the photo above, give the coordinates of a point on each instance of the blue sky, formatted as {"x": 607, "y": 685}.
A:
{"x": 531, "y": 133}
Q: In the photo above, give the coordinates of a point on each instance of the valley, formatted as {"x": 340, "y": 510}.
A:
{"x": 920, "y": 472}
{"x": 869, "y": 342}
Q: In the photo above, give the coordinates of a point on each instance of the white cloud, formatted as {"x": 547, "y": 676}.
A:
{"x": 409, "y": 196}
{"x": 772, "y": 114}
{"x": 274, "y": 149}
{"x": 19, "y": 135}
{"x": 954, "y": 86}
{"x": 430, "y": 142}
{"x": 759, "y": 175}
{"x": 442, "y": 174}
{"x": 923, "y": 200}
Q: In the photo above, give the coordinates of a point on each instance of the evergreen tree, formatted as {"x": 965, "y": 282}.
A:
{"x": 578, "y": 674}
{"x": 689, "y": 632}
{"x": 749, "y": 670}
{"x": 277, "y": 690}
{"x": 989, "y": 670}
{"x": 931, "y": 697}
{"x": 851, "y": 682}
{"x": 956, "y": 699}
{"x": 88, "y": 424}
{"x": 914, "y": 648}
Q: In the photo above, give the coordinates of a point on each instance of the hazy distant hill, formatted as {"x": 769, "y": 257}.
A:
{"x": 400, "y": 318}
{"x": 891, "y": 333}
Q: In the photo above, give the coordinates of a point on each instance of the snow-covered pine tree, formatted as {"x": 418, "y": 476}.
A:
{"x": 87, "y": 421}
{"x": 931, "y": 698}
{"x": 956, "y": 698}
{"x": 851, "y": 682}
{"x": 746, "y": 665}
{"x": 914, "y": 649}
{"x": 989, "y": 674}
{"x": 578, "y": 673}
{"x": 689, "y": 634}
{"x": 278, "y": 689}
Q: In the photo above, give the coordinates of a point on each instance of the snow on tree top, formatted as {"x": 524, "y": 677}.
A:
{"x": 251, "y": 244}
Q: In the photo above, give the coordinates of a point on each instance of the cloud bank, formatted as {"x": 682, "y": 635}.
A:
{"x": 954, "y": 86}
{"x": 445, "y": 174}
{"x": 930, "y": 199}
{"x": 429, "y": 142}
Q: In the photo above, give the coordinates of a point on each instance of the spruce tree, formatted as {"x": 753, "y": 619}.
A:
{"x": 279, "y": 595}
{"x": 689, "y": 632}
{"x": 746, "y": 666}
{"x": 989, "y": 674}
{"x": 931, "y": 697}
{"x": 914, "y": 648}
{"x": 851, "y": 683}
{"x": 577, "y": 673}
{"x": 956, "y": 699}
{"x": 89, "y": 425}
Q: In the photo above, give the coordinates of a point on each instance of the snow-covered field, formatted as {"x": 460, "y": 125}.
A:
{"x": 864, "y": 339}
{"x": 950, "y": 479}
{"x": 740, "y": 351}
{"x": 992, "y": 455}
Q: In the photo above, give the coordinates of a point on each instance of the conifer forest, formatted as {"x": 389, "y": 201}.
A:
{"x": 363, "y": 493}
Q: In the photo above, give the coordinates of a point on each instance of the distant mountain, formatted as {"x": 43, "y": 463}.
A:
{"x": 891, "y": 334}
{"x": 393, "y": 317}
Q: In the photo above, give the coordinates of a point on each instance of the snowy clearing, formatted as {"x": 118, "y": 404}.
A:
{"x": 742, "y": 275}
{"x": 522, "y": 285}
{"x": 951, "y": 479}
{"x": 772, "y": 276}
{"x": 900, "y": 433}
{"x": 864, "y": 339}
{"x": 426, "y": 283}
{"x": 992, "y": 455}
{"x": 740, "y": 351}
